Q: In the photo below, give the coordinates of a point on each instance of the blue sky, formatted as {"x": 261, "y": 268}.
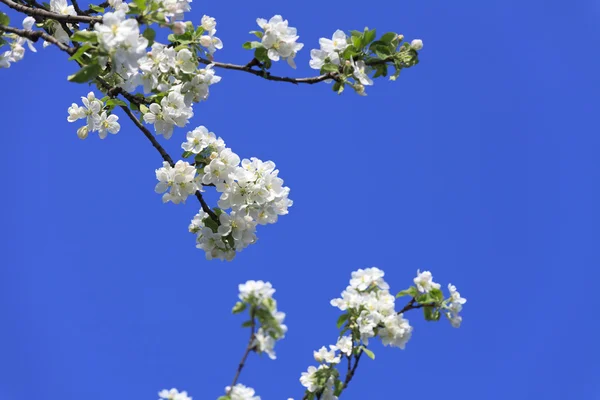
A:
{"x": 479, "y": 164}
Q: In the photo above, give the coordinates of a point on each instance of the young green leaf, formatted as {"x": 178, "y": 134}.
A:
{"x": 341, "y": 320}
{"x": 411, "y": 291}
{"x": 4, "y": 19}
{"x": 80, "y": 51}
{"x": 96, "y": 8}
{"x": 84, "y": 36}
{"x": 149, "y": 34}
{"x": 85, "y": 74}
{"x": 388, "y": 37}
{"x": 115, "y": 102}
{"x": 239, "y": 307}
{"x": 369, "y": 353}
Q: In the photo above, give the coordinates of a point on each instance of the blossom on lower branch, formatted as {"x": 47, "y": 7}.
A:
{"x": 173, "y": 394}
{"x": 257, "y": 297}
{"x": 240, "y": 392}
{"x": 370, "y": 312}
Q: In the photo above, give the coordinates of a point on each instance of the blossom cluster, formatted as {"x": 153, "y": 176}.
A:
{"x": 17, "y": 51}
{"x": 345, "y": 55}
{"x": 257, "y": 297}
{"x": 371, "y": 307}
{"x": 279, "y": 39}
{"x": 120, "y": 38}
{"x": 177, "y": 182}
{"x": 426, "y": 291}
{"x": 97, "y": 117}
{"x": 250, "y": 188}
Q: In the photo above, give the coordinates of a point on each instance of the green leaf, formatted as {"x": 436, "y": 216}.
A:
{"x": 342, "y": 319}
{"x": 411, "y": 291}
{"x": 4, "y": 19}
{"x": 140, "y": 4}
{"x": 247, "y": 324}
{"x": 143, "y": 108}
{"x": 96, "y": 8}
{"x": 356, "y": 33}
{"x": 186, "y": 154}
{"x": 339, "y": 386}
{"x": 80, "y": 51}
{"x": 431, "y": 313}
{"x": 218, "y": 211}
{"x": 329, "y": 68}
{"x": 425, "y": 298}
{"x": 258, "y": 34}
{"x": 388, "y": 37}
{"x": 86, "y": 73}
{"x": 116, "y": 102}
{"x": 133, "y": 106}
{"x": 261, "y": 54}
{"x": 349, "y": 52}
{"x": 369, "y": 36}
{"x": 149, "y": 34}
{"x": 224, "y": 398}
{"x": 368, "y": 353}
{"x": 437, "y": 294}
{"x": 85, "y": 36}
{"x": 239, "y": 307}
{"x": 247, "y": 45}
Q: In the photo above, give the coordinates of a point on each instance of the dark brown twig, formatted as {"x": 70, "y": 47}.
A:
{"x": 249, "y": 348}
{"x": 266, "y": 75}
{"x": 40, "y": 12}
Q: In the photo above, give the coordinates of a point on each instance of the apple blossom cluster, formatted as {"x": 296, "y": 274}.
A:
{"x": 279, "y": 39}
{"x": 257, "y": 297}
{"x": 17, "y": 50}
{"x": 177, "y": 183}
{"x": 354, "y": 58}
{"x": 97, "y": 117}
{"x": 371, "y": 309}
{"x": 173, "y": 394}
{"x": 120, "y": 38}
{"x": 239, "y": 392}
{"x": 427, "y": 292}
{"x": 251, "y": 189}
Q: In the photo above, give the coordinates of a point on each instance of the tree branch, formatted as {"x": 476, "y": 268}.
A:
{"x": 34, "y": 36}
{"x": 39, "y": 12}
{"x": 266, "y": 75}
{"x": 166, "y": 157}
{"x": 249, "y": 348}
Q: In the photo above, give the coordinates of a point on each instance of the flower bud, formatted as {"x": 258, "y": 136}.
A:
{"x": 82, "y": 132}
{"x": 416, "y": 44}
{"x": 400, "y": 37}
{"x": 178, "y": 28}
{"x": 205, "y": 41}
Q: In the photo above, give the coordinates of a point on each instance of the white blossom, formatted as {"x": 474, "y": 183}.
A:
{"x": 424, "y": 282}
{"x": 241, "y": 392}
{"x": 416, "y": 44}
{"x": 308, "y": 379}
{"x": 178, "y": 182}
{"x": 279, "y": 39}
{"x": 344, "y": 345}
{"x": 173, "y": 394}
{"x": 327, "y": 356}
{"x": 107, "y": 123}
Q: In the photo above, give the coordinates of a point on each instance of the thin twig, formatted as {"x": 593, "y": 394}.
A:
{"x": 37, "y": 12}
{"x": 166, "y": 157}
{"x": 249, "y": 348}
{"x": 266, "y": 75}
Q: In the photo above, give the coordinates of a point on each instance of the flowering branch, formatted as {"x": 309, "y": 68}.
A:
{"x": 39, "y": 12}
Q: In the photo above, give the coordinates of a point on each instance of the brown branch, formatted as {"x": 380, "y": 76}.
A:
{"x": 266, "y": 75}
{"x": 166, "y": 157}
{"x": 38, "y": 12}
{"x": 34, "y": 36}
{"x": 249, "y": 348}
